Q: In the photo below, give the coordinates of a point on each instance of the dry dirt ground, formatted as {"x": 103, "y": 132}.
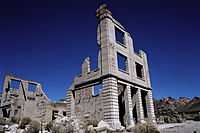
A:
{"x": 187, "y": 127}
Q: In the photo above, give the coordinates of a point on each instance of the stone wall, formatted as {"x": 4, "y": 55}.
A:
{"x": 21, "y": 101}
{"x": 88, "y": 106}
{"x": 117, "y": 106}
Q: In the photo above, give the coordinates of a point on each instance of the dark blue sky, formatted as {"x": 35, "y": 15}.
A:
{"x": 47, "y": 40}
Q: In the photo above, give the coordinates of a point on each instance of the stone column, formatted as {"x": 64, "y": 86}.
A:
{"x": 6, "y": 85}
{"x": 86, "y": 66}
{"x": 129, "y": 106}
{"x": 69, "y": 103}
{"x": 146, "y": 68}
{"x": 150, "y": 107}
{"x": 110, "y": 102}
{"x": 139, "y": 106}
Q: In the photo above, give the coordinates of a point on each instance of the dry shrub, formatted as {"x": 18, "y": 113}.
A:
{"x": 25, "y": 121}
{"x": 144, "y": 128}
{"x": 34, "y": 127}
{"x": 61, "y": 129}
{"x": 15, "y": 120}
{"x": 4, "y": 121}
{"x": 49, "y": 126}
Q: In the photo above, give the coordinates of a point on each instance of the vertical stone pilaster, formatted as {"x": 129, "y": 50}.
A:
{"x": 129, "y": 106}
{"x": 110, "y": 102}
{"x": 6, "y": 85}
{"x": 69, "y": 102}
{"x": 139, "y": 106}
{"x": 146, "y": 67}
{"x": 150, "y": 107}
{"x": 86, "y": 66}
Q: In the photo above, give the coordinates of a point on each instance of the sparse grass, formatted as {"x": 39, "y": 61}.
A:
{"x": 49, "y": 126}
{"x": 34, "y": 127}
{"x": 25, "y": 121}
{"x": 15, "y": 120}
{"x": 144, "y": 128}
{"x": 197, "y": 118}
{"x": 5, "y": 121}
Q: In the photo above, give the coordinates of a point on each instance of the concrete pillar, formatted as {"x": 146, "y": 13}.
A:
{"x": 139, "y": 107}
{"x": 69, "y": 103}
{"x": 146, "y": 68}
{"x": 129, "y": 107}
{"x": 86, "y": 66}
{"x": 110, "y": 102}
{"x": 6, "y": 85}
{"x": 150, "y": 107}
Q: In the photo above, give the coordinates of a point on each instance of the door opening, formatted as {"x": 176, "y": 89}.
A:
{"x": 121, "y": 101}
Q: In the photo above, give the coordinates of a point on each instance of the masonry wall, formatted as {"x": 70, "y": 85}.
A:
{"x": 87, "y": 106}
{"x": 59, "y": 107}
{"x": 21, "y": 102}
{"x": 115, "y": 106}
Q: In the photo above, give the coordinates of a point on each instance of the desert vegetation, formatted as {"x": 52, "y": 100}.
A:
{"x": 170, "y": 110}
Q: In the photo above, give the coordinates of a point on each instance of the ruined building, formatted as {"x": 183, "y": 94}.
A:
{"x": 119, "y": 90}
{"x": 24, "y": 98}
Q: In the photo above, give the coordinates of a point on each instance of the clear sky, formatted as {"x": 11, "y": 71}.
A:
{"x": 47, "y": 40}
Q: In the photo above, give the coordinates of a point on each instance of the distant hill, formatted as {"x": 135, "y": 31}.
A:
{"x": 176, "y": 110}
{"x": 192, "y": 106}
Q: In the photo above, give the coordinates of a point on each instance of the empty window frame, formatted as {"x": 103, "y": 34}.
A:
{"x": 122, "y": 62}
{"x": 119, "y": 36}
{"x": 15, "y": 112}
{"x": 31, "y": 98}
{"x": 144, "y": 103}
{"x": 14, "y": 84}
{"x": 64, "y": 113}
{"x": 139, "y": 70}
{"x": 54, "y": 114}
{"x": 121, "y": 102}
{"x": 96, "y": 89}
{"x": 32, "y": 87}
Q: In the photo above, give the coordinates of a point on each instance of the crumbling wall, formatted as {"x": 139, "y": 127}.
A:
{"x": 23, "y": 101}
{"x": 82, "y": 100}
{"x": 118, "y": 65}
{"x": 87, "y": 106}
{"x": 56, "y": 110}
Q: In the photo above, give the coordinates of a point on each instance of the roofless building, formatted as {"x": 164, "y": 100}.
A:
{"x": 119, "y": 91}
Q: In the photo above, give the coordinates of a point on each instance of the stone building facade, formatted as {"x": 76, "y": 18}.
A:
{"x": 24, "y": 98}
{"x": 119, "y": 91}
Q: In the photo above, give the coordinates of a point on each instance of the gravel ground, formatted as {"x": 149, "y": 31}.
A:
{"x": 187, "y": 127}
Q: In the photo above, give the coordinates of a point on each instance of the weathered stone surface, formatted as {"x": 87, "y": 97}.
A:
{"x": 20, "y": 102}
{"x": 69, "y": 124}
{"x": 125, "y": 96}
{"x": 117, "y": 94}
{"x": 102, "y": 124}
{"x": 23, "y": 101}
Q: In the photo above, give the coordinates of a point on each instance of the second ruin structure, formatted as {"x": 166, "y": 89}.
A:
{"x": 25, "y": 98}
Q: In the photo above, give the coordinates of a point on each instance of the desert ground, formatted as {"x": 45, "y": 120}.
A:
{"x": 186, "y": 127}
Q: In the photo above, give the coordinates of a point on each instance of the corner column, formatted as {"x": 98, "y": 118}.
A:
{"x": 150, "y": 107}
{"x": 110, "y": 102}
{"x": 69, "y": 103}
